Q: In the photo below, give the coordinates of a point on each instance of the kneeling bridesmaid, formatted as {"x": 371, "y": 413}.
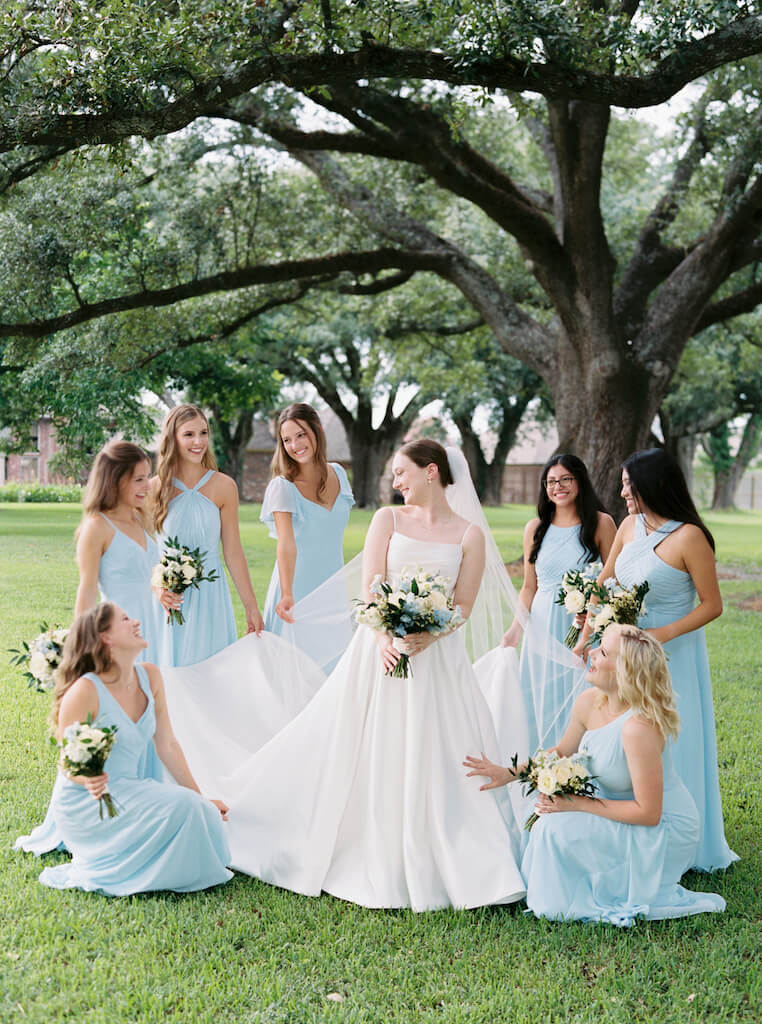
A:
{"x": 619, "y": 855}
{"x": 165, "y": 835}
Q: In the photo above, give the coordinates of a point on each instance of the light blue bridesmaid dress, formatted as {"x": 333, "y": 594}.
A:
{"x": 164, "y": 837}
{"x": 672, "y": 595}
{"x": 579, "y": 866}
{"x": 319, "y": 534}
{"x": 546, "y": 685}
{"x": 124, "y": 577}
{"x": 194, "y": 520}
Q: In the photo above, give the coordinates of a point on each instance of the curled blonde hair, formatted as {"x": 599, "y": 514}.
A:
{"x": 84, "y": 651}
{"x": 168, "y": 460}
{"x": 643, "y": 679}
{"x": 283, "y": 464}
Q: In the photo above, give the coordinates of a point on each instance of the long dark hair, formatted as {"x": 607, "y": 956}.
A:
{"x": 658, "y": 483}
{"x": 588, "y": 506}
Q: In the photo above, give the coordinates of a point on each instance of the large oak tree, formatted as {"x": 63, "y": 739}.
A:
{"x": 392, "y": 77}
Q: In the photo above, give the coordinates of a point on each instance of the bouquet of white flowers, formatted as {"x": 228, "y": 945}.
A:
{"x": 574, "y": 593}
{"x": 42, "y": 656}
{"x": 617, "y": 604}
{"x": 549, "y": 773}
{"x": 84, "y": 751}
{"x": 180, "y": 568}
{"x": 419, "y": 604}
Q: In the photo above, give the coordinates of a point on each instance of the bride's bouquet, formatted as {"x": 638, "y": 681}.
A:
{"x": 549, "y": 773}
{"x": 42, "y": 656}
{"x": 84, "y": 751}
{"x": 574, "y": 594}
{"x": 419, "y": 604}
{"x": 617, "y": 604}
{"x": 180, "y": 568}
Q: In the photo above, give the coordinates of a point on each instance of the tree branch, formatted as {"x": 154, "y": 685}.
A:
{"x": 744, "y": 301}
{"x": 318, "y": 270}
{"x": 733, "y": 42}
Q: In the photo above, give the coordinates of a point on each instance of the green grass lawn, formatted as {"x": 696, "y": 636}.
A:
{"x": 248, "y": 952}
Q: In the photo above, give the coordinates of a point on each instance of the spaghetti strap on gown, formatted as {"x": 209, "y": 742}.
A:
{"x": 362, "y": 795}
{"x": 124, "y": 577}
{"x": 672, "y": 595}
{"x": 579, "y": 866}
{"x": 194, "y": 520}
{"x": 165, "y": 836}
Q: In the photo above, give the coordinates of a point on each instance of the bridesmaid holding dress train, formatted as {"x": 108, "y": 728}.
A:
{"x": 197, "y": 505}
{"x": 571, "y": 530}
{"x": 165, "y": 835}
{"x": 664, "y": 540}
{"x": 618, "y": 855}
{"x": 306, "y": 508}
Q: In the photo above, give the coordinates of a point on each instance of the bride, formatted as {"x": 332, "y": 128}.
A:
{"x": 361, "y": 794}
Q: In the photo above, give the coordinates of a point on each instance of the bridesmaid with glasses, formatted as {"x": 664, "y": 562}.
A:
{"x": 570, "y": 530}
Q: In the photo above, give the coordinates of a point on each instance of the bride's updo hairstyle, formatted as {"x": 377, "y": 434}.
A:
{"x": 169, "y": 459}
{"x": 658, "y": 482}
{"x": 643, "y": 679}
{"x": 425, "y": 452}
{"x": 283, "y": 464}
{"x": 84, "y": 651}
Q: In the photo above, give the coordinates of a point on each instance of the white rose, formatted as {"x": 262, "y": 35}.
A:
{"x": 579, "y": 771}
{"x": 574, "y": 602}
{"x": 370, "y": 617}
{"x": 38, "y": 665}
{"x": 60, "y": 636}
{"x": 546, "y": 781}
{"x": 157, "y": 576}
{"x": 438, "y": 600}
{"x": 77, "y": 753}
{"x": 189, "y": 572}
{"x": 604, "y": 616}
{"x": 564, "y": 770}
{"x": 396, "y": 598}
{"x": 71, "y": 732}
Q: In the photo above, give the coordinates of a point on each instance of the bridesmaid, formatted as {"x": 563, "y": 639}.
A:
{"x": 165, "y": 835}
{"x": 115, "y": 553}
{"x": 193, "y": 502}
{"x": 306, "y": 507}
{"x": 621, "y": 854}
{"x": 570, "y": 530}
{"x": 663, "y": 540}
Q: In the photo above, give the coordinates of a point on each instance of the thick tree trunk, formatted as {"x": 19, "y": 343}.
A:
{"x": 602, "y": 417}
{"x": 728, "y": 471}
{"x": 371, "y": 450}
{"x": 234, "y": 437}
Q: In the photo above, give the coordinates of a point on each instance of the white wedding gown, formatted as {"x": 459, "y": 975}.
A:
{"x": 363, "y": 794}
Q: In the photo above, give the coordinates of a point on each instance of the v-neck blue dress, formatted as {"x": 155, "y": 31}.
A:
{"x": 194, "y": 520}
{"x": 319, "y": 535}
{"x": 672, "y": 595}
{"x": 579, "y": 866}
{"x": 124, "y": 577}
{"x": 164, "y": 836}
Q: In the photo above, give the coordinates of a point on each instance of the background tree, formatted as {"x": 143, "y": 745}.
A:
{"x": 615, "y": 318}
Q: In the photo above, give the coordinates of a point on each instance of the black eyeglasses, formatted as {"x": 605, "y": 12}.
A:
{"x": 562, "y": 481}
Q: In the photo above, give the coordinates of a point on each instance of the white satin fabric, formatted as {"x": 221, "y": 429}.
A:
{"x": 363, "y": 794}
